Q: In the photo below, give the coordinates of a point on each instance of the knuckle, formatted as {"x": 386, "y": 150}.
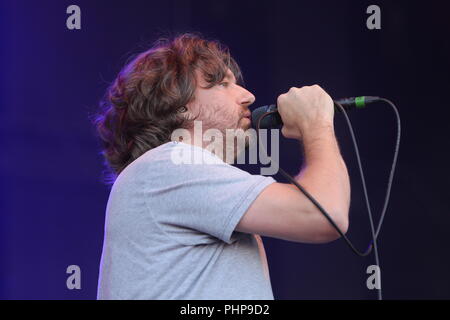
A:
{"x": 317, "y": 88}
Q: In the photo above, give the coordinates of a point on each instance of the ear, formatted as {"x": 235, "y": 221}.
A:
{"x": 190, "y": 111}
{"x": 182, "y": 109}
{"x": 186, "y": 112}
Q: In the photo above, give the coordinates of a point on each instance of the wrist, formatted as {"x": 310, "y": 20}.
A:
{"x": 315, "y": 133}
{"x": 320, "y": 145}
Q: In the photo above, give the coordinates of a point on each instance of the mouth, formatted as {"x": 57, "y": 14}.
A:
{"x": 247, "y": 115}
{"x": 249, "y": 122}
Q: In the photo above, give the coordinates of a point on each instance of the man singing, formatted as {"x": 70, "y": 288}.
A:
{"x": 192, "y": 230}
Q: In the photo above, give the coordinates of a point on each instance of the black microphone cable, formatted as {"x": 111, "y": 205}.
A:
{"x": 373, "y": 243}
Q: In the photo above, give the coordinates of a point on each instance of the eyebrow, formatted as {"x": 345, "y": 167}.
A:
{"x": 228, "y": 76}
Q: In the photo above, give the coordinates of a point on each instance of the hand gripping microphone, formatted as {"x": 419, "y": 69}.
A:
{"x": 267, "y": 117}
{"x": 274, "y": 119}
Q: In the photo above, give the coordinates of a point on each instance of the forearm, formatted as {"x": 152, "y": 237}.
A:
{"x": 324, "y": 174}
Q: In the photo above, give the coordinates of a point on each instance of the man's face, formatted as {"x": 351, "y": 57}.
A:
{"x": 223, "y": 106}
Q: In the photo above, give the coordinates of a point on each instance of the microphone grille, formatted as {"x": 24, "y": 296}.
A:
{"x": 269, "y": 121}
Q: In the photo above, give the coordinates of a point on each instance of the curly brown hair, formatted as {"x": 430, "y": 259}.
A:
{"x": 147, "y": 100}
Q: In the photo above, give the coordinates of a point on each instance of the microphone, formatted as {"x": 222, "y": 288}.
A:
{"x": 274, "y": 120}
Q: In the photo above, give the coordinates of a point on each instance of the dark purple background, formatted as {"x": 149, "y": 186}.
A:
{"x": 52, "y": 202}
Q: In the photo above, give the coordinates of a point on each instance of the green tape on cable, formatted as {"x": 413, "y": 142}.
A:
{"x": 360, "y": 102}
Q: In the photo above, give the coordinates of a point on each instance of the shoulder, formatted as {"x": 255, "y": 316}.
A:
{"x": 176, "y": 160}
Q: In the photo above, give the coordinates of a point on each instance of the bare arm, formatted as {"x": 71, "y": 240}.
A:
{"x": 325, "y": 176}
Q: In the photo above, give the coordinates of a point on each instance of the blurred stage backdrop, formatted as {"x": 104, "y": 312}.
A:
{"x": 53, "y": 203}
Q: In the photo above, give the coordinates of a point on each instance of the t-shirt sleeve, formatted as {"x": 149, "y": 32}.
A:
{"x": 193, "y": 202}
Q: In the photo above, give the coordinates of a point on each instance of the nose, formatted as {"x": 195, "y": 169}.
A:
{"x": 247, "y": 98}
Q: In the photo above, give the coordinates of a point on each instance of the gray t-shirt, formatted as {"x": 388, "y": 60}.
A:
{"x": 169, "y": 230}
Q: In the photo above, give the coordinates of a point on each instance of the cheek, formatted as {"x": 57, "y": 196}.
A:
{"x": 216, "y": 116}
{"x": 230, "y": 115}
{"x": 217, "y": 111}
